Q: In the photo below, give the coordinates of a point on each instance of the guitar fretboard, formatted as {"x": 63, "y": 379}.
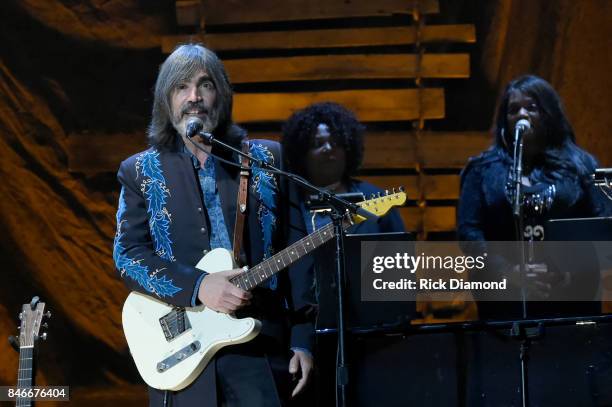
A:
{"x": 24, "y": 375}
{"x": 283, "y": 259}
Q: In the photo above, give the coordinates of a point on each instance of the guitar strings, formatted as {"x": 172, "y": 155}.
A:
{"x": 250, "y": 274}
{"x": 21, "y": 374}
{"x": 248, "y": 278}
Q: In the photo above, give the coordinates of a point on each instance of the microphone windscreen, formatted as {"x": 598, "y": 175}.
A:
{"x": 194, "y": 126}
{"x": 523, "y": 125}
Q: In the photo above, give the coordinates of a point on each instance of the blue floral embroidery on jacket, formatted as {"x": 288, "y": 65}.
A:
{"x": 132, "y": 268}
{"x": 155, "y": 191}
{"x": 264, "y": 185}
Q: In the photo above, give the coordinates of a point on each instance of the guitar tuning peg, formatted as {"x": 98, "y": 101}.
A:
{"x": 379, "y": 194}
{"x": 44, "y": 336}
{"x": 14, "y": 342}
{"x": 372, "y": 196}
{"x": 401, "y": 189}
{"x": 386, "y": 192}
{"x": 393, "y": 191}
{"x": 20, "y": 315}
{"x": 34, "y": 301}
{"x": 48, "y": 314}
{"x": 45, "y": 325}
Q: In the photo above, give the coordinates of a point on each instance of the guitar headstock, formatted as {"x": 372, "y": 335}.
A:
{"x": 380, "y": 204}
{"x": 31, "y": 317}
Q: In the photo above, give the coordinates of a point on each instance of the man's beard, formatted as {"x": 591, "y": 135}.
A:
{"x": 210, "y": 120}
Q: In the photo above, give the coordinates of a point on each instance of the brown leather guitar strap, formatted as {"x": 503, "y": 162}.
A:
{"x": 241, "y": 207}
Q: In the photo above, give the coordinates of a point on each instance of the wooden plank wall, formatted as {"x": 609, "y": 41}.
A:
{"x": 325, "y": 38}
{"x": 244, "y": 11}
{"x": 284, "y": 55}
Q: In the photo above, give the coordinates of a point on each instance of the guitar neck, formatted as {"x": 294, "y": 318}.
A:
{"x": 263, "y": 271}
{"x": 25, "y": 373}
{"x": 283, "y": 259}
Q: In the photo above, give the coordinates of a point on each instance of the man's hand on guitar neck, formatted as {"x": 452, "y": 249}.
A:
{"x": 219, "y": 294}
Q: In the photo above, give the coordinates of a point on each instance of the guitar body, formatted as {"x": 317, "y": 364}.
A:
{"x": 171, "y": 345}
{"x": 168, "y": 359}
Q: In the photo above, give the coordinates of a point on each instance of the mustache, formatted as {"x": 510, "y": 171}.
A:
{"x": 199, "y": 106}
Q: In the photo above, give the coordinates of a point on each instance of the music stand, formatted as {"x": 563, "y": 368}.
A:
{"x": 579, "y": 229}
{"x": 602, "y": 178}
{"x": 359, "y": 314}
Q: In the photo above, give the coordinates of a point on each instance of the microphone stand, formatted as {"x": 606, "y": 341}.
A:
{"x": 517, "y": 209}
{"x": 518, "y": 330}
{"x": 340, "y": 208}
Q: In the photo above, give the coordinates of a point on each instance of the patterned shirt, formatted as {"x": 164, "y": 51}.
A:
{"x": 210, "y": 195}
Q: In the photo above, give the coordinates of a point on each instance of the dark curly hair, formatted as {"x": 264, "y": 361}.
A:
{"x": 345, "y": 130}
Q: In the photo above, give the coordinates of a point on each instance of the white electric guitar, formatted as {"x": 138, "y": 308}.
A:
{"x": 171, "y": 345}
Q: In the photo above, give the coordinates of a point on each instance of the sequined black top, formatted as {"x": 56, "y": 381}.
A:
{"x": 485, "y": 204}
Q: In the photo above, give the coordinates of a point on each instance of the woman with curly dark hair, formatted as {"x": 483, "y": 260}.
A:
{"x": 556, "y": 181}
{"x": 332, "y": 139}
{"x": 324, "y": 144}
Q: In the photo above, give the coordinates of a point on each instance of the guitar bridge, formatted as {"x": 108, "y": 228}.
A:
{"x": 178, "y": 357}
{"x": 174, "y": 323}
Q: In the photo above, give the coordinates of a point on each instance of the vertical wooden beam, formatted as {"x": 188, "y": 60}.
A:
{"x": 189, "y": 13}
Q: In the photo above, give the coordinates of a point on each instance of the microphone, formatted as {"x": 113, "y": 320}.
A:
{"x": 521, "y": 127}
{"x": 194, "y": 127}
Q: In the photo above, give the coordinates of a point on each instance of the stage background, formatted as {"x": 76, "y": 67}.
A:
{"x": 75, "y": 95}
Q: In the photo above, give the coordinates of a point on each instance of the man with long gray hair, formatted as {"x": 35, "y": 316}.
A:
{"x": 178, "y": 201}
